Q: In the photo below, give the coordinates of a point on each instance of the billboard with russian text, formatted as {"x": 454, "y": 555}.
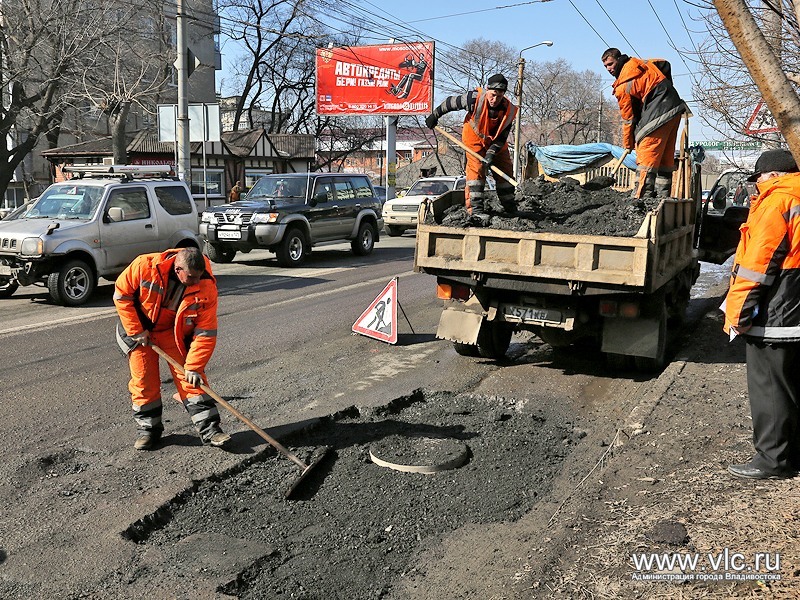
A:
{"x": 386, "y": 79}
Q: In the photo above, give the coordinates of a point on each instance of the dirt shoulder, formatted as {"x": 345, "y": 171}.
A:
{"x": 650, "y": 477}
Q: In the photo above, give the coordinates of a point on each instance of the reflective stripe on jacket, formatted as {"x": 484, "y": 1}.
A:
{"x": 765, "y": 280}
{"x": 647, "y": 100}
{"x": 139, "y": 293}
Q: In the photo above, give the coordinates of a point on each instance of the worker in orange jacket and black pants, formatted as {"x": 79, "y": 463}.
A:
{"x": 651, "y": 111}
{"x": 169, "y": 299}
{"x": 487, "y": 124}
{"x": 763, "y": 305}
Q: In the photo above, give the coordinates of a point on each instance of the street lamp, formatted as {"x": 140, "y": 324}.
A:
{"x": 521, "y": 67}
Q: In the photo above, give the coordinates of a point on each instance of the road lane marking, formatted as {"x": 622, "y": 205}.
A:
{"x": 111, "y": 312}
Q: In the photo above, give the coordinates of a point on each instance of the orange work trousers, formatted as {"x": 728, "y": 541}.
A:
{"x": 476, "y": 172}
{"x": 145, "y": 383}
{"x": 656, "y": 152}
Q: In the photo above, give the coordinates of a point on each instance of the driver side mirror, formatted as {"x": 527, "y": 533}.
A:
{"x": 115, "y": 214}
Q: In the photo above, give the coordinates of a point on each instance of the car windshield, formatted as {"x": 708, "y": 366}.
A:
{"x": 430, "y": 188}
{"x": 280, "y": 189}
{"x": 65, "y": 201}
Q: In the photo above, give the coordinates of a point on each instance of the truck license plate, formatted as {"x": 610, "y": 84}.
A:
{"x": 223, "y": 234}
{"x": 5, "y": 269}
{"x": 527, "y": 313}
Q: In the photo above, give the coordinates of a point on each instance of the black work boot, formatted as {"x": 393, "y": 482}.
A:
{"x": 478, "y": 217}
{"x": 146, "y": 440}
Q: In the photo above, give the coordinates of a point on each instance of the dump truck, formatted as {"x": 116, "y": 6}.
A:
{"x": 622, "y": 293}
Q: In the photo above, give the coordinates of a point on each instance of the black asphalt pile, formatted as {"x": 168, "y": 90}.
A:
{"x": 356, "y": 527}
{"x": 565, "y": 206}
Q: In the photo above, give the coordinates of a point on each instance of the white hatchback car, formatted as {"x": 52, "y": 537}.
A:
{"x": 400, "y": 214}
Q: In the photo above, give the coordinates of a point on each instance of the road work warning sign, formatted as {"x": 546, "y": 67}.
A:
{"x": 379, "y": 321}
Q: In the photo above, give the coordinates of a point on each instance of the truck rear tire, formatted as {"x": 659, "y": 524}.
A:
{"x": 7, "y": 288}
{"x": 72, "y": 284}
{"x": 466, "y": 349}
{"x": 494, "y": 340}
{"x": 293, "y": 249}
{"x": 218, "y": 253}
{"x": 365, "y": 240}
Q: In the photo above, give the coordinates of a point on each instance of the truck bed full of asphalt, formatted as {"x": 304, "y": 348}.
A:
{"x": 564, "y": 206}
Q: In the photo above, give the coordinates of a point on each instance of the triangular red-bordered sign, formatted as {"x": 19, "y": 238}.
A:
{"x": 379, "y": 321}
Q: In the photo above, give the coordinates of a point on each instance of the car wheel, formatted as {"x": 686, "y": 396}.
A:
{"x": 293, "y": 249}
{"x": 365, "y": 240}
{"x": 394, "y": 230}
{"x": 8, "y": 287}
{"x": 72, "y": 284}
{"x": 494, "y": 340}
{"x": 218, "y": 253}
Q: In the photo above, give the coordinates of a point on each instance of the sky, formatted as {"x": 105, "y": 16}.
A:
{"x": 579, "y": 29}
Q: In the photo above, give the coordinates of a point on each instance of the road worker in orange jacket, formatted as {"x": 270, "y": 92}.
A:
{"x": 763, "y": 305}
{"x": 169, "y": 299}
{"x": 651, "y": 111}
{"x": 487, "y": 124}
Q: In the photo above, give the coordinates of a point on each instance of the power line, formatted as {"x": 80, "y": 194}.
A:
{"x": 615, "y": 26}
{"x": 589, "y": 24}
{"x": 472, "y": 12}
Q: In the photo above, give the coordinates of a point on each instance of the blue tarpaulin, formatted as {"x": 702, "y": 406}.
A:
{"x": 561, "y": 159}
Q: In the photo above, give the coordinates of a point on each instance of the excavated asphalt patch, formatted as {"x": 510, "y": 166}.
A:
{"x": 355, "y": 527}
{"x": 564, "y": 206}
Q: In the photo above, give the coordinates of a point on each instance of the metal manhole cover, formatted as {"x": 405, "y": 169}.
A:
{"x": 419, "y": 454}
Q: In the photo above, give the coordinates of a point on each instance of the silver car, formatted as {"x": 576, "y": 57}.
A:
{"x": 93, "y": 226}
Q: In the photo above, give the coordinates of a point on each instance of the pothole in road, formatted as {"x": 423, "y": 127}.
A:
{"x": 356, "y": 527}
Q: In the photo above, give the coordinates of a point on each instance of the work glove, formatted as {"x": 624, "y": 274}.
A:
{"x": 431, "y": 120}
{"x": 143, "y": 339}
{"x": 193, "y": 378}
{"x": 489, "y": 158}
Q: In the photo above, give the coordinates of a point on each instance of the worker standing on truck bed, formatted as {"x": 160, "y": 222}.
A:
{"x": 763, "y": 305}
{"x": 651, "y": 111}
{"x": 169, "y": 299}
{"x": 487, "y": 124}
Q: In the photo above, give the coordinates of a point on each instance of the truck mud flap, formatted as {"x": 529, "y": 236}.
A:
{"x": 632, "y": 337}
{"x": 459, "y": 326}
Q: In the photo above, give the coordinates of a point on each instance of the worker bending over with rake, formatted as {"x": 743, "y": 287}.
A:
{"x": 169, "y": 299}
{"x": 651, "y": 112}
{"x": 487, "y": 124}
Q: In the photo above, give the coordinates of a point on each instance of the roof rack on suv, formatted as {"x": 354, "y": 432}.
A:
{"x": 126, "y": 172}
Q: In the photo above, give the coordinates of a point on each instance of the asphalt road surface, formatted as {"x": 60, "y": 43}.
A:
{"x": 71, "y": 481}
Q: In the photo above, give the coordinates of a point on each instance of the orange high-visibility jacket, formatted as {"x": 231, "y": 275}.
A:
{"x": 647, "y": 100}
{"x": 139, "y": 293}
{"x": 480, "y": 132}
{"x": 765, "y": 280}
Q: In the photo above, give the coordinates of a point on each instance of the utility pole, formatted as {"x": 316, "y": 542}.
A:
{"x": 600, "y": 117}
{"x": 764, "y": 68}
{"x": 518, "y": 120}
{"x": 182, "y": 131}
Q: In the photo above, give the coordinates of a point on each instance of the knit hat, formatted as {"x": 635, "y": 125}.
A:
{"x": 774, "y": 160}
{"x": 497, "y": 82}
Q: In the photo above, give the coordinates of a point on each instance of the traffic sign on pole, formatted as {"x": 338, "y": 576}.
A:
{"x": 761, "y": 121}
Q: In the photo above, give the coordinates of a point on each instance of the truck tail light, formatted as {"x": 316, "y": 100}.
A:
{"x": 608, "y": 308}
{"x": 629, "y": 310}
{"x": 612, "y": 308}
{"x": 447, "y": 291}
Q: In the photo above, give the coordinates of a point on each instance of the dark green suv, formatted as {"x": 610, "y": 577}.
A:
{"x": 290, "y": 213}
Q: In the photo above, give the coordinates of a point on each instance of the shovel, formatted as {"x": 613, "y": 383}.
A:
{"x": 461, "y": 145}
{"x": 619, "y": 164}
{"x": 305, "y": 469}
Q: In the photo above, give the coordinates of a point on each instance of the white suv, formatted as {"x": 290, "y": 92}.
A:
{"x": 93, "y": 226}
{"x": 400, "y": 214}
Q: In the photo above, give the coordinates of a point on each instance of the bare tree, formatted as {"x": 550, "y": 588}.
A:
{"x": 130, "y": 68}
{"x": 724, "y": 88}
{"x": 44, "y": 46}
{"x": 470, "y": 66}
